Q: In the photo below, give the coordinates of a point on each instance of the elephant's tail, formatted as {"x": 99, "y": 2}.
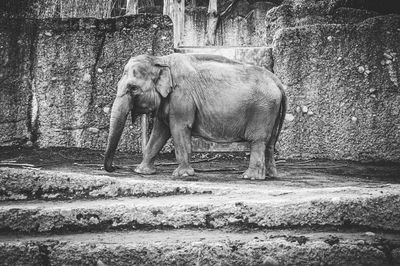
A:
{"x": 281, "y": 116}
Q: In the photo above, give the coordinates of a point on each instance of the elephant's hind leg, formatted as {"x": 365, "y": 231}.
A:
{"x": 270, "y": 166}
{"x": 256, "y": 168}
{"x": 159, "y": 136}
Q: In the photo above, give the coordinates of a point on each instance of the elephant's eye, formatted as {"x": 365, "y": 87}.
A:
{"x": 134, "y": 90}
{"x": 133, "y": 87}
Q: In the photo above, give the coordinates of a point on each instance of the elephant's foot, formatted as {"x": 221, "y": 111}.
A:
{"x": 254, "y": 173}
{"x": 183, "y": 171}
{"x": 271, "y": 171}
{"x": 145, "y": 169}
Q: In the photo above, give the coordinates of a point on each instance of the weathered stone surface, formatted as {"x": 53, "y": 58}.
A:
{"x": 59, "y": 76}
{"x": 346, "y": 15}
{"x": 334, "y": 207}
{"x": 396, "y": 256}
{"x": 341, "y": 74}
{"x": 243, "y": 26}
{"x": 236, "y": 28}
{"x": 194, "y": 32}
{"x": 254, "y": 24}
{"x": 250, "y": 253}
{"x": 21, "y": 254}
{"x": 19, "y": 184}
{"x": 16, "y": 39}
{"x": 78, "y": 64}
{"x": 38, "y": 9}
{"x": 258, "y": 18}
{"x": 293, "y": 13}
{"x": 188, "y": 247}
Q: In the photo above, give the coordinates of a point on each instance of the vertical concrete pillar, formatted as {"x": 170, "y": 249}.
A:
{"x": 132, "y": 7}
{"x": 212, "y": 22}
{"x": 175, "y": 9}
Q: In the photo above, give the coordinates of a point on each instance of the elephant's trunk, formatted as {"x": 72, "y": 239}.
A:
{"x": 119, "y": 113}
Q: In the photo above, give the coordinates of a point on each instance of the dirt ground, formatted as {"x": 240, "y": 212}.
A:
{"x": 210, "y": 167}
{"x": 314, "y": 211}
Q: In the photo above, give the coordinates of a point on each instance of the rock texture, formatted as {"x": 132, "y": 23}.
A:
{"x": 39, "y": 9}
{"x": 343, "y": 89}
{"x": 148, "y": 222}
{"x": 15, "y": 81}
{"x": 78, "y": 65}
{"x": 339, "y": 60}
{"x": 163, "y": 203}
{"x": 60, "y": 88}
{"x": 293, "y": 13}
{"x": 243, "y": 26}
{"x": 17, "y": 185}
{"x": 230, "y": 249}
{"x": 78, "y": 214}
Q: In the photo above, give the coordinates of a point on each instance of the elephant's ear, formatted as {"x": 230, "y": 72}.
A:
{"x": 164, "y": 82}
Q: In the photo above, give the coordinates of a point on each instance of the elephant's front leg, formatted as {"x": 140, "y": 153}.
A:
{"x": 159, "y": 136}
{"x": 256, "y": 168}
{"x": 181, "y": 135}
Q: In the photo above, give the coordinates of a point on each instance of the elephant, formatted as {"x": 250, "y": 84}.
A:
{"x": 200, "y": 95}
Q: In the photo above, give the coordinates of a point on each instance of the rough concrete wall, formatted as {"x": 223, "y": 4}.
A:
{"x": 37, "y": 9}
{"x": 195, "y": 28}
{"x": 244, "y": 26}
{"x": 293, "y": 13}
{"x": 15, "y": 52}
{"x": 78, "y": 65}
{"x": 255, "y": 22}
{"x": 343, "y": 89}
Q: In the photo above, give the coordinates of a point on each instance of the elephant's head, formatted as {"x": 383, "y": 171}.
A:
{"x": 145, "y": 81}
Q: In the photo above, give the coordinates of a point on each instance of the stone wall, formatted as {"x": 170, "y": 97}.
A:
{"x": 254, "y": 23}
{"x": 37, "y": 9}
{"x": 59, "y": 91}
{"x": 339, "y": 62}
{"x": 343, "y": 89}
{"x": 15, "y": 76}
{"x": 243, "y": 26}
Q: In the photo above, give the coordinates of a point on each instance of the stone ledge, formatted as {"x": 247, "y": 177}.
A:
{"x": 256, "y": 210}
{"x": 185, "y": 247}
{"x": 19, "y": 184}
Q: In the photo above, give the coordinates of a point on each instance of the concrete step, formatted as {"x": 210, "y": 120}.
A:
{"x": 218, "y": 177}
{"x": 68, "y": 211}
{"x": 23, "y": 184}
{"x": 372, "y": 207}
{"x": 203, "y": 247}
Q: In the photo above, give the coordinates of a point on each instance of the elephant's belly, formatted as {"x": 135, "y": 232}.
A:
{"x": 217, "y": 132}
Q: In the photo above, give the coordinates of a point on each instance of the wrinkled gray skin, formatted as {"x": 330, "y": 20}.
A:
{"x": 200, "y": 95}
